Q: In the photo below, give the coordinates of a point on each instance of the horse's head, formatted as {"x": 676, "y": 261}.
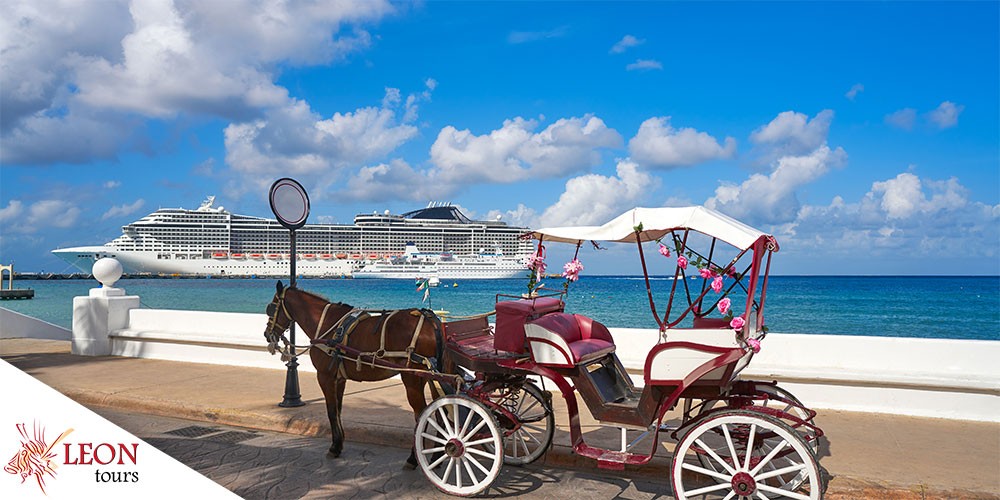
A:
{"x": 278, "y": 319}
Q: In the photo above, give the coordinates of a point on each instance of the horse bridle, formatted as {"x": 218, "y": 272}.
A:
{"x": 275, "y": 332}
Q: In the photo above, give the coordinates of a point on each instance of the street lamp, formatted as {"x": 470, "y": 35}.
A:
{"x": 290, "y": 205}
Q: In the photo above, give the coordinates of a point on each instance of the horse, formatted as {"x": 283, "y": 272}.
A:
{"x": 363, "y": 346}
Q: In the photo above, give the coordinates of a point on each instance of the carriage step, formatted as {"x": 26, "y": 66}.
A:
{"x": 612, "y": 460}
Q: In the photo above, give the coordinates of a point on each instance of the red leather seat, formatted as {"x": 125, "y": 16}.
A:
{"x": 511, "y": 317}
{"x": 582, "y": 339}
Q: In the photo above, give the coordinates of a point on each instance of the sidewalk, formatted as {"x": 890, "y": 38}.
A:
{"x": 868, "y": 455}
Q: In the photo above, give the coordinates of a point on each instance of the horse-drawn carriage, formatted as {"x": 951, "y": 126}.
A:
{"x": 735, "y": 438}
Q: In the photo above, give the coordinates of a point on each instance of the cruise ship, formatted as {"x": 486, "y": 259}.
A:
{"x": 210, "y": 241}
{"x": 414, "y": 264}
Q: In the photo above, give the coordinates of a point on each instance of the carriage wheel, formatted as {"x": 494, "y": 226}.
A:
{"x": 457, "y": 443}
{"x": 785, "y": 402}
{"x": 534, "y": 412}
{"x": 749, "y": 453}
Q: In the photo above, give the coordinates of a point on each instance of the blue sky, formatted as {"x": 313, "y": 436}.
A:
{"x": 863, "y": 135}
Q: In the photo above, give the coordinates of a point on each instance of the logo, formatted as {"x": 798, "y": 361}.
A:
{"x": 35, "y": 458}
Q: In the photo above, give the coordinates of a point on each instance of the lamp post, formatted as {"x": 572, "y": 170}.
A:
{"x": 290, "y": 205}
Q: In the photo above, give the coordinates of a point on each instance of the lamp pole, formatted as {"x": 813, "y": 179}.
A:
{"x": 293, "y": 396}
{"x": 290, "y": 205}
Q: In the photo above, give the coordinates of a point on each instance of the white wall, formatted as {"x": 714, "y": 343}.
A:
{"x": 16, "y": 325}
{"x": 957, "y": 379}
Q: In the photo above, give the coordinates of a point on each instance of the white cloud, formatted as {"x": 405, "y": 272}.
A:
{"x": 518, "y": 37}
{"x": 856, "y": 89}
{"x": 12, "y": 211}
{"x": 903, "y": 196}
{"x": 792, "y": 133}
{"x": 39, "y": 215}
{"x": 904, "y": 217}
{"x": 112, "y": 184}
{"x": 514, "y": 152}
{"x": 596, "y": 199}
{"x": 294, "y": 140}
{"x": 644, "y": 65}
{"x": 521, "y": 216}
{"x": 771, "y": 198}
{"x": 395, "y": 180}
{"x": 904, "y": 118}
{"x": 945, "y": 115}
{"x": 658, "y": 144}
{"x": 625, "y": 43}
{"x": 82, "y": 75}
{"x": 123, "y": 210}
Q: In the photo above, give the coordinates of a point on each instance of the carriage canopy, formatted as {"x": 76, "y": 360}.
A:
{"x": 658, "y": 222}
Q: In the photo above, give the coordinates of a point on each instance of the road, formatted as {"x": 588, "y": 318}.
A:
{"x": 269, "y": 465}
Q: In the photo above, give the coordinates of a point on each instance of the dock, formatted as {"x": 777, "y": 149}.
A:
{"x": 10, "y": 292}
{"x": 20, "y": 293}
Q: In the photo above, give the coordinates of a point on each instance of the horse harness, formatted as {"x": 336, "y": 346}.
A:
{"x": 334, "y": 341}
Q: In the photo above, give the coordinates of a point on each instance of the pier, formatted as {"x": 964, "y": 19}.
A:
{"x": 10, "y": 292}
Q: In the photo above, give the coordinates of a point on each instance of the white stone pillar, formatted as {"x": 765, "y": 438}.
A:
{"x": 104, "y": 310}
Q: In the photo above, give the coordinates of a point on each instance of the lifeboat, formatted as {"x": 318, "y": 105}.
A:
{"x": 373, "y": 256}
{"x": 309, "y": 256}
{"x": 356, "y": 256}
{"x": 274, "y": 256}
{"x": 238, "y": 256}
{"x": 326, "y": 256}
{"x": 220, "y": 255}
{"x": 341, "y": 255}
{"x": 257, "y": 256}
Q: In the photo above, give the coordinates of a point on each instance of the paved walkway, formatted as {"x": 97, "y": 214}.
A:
{"x": 868, "y": 455}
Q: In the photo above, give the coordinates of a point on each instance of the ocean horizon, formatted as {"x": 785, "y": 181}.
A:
{"x": 949, "y": 307}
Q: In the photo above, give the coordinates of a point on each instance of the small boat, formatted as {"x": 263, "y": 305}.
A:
{"x": 220, "y": 255}
{"x": 257, "y": 256}
{"x": 434, "y": 281}
{"x": 309, "y": 256}
{"x": 238, "y": 256}
{"x": 356, "y": 256}
{"x": 326, "y": 256}
{"x": 341, "y": 255}
{"x": 373, "y": 256}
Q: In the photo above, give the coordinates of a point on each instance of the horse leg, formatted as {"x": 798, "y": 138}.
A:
{"x": 333, "y": 392}
{"x": 415, "y": 396}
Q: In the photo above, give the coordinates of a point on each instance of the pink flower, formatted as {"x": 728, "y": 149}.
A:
{"x": 724, "y": 305}
{"x": 737, "y": 323}
{"x": 754, "y": 344}
{"x": 717, "y": 284}
{"x": 682, "y": 262}
{"x": 705, "y": 273}
{"x": 664, "y": 251}
{"x": 571, "y": 271}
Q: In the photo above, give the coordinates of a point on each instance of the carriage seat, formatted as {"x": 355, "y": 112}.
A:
{"x": 513, "y": 314}
{"x": 565, "y": 340}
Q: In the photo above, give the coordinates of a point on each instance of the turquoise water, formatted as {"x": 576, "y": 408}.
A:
{"x": 892, "y": 306}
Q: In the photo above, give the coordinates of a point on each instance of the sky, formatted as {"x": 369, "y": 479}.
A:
{"x": 863, "y": 135}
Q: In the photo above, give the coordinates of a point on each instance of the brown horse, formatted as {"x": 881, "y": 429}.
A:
{"x": 408, "y": 338}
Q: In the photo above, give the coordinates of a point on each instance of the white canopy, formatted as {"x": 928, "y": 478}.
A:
{"x": 657, "y": 222}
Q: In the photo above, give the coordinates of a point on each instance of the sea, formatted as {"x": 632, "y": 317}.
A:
{"x": 947, "y": 307}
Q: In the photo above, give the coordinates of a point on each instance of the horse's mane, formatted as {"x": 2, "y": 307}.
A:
{"x": 320, "y": 297}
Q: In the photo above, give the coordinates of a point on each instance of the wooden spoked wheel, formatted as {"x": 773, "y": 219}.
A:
{"x": 748, "y": 453}
{"x": 529, "y": 438}
{"x": 775, "y": 398}
{"x": 458, "y": 445}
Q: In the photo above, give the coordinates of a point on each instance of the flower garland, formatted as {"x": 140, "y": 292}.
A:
{"x": 536, "y": 263}
{"x": 708, "y": 271}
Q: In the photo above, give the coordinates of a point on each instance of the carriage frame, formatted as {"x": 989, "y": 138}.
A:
{"x": 736, "y": 438}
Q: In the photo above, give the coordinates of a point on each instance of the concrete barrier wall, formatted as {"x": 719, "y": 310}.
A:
{"x": 16, "y": 325}
{"x": 956, "y": 379}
